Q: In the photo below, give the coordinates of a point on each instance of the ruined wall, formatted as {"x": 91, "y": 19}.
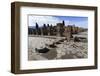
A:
{"x": 58, "y": 30}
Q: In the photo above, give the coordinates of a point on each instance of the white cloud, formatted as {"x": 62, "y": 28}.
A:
{"x": 53, "y": 20}
{"x": 43, "y": 20}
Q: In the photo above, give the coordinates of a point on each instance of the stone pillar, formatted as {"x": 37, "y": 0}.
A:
{"x": 68, "y": 33}
{"x": 41, "y": 30}
{"x": 48, "y": 29}
{"x": 58, "y": 30}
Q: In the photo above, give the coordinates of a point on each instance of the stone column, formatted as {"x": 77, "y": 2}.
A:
{"x": 68, "y": 33}
{"x": 41, "y": 31}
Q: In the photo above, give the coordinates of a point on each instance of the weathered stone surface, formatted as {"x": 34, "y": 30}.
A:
{"x": 60, "y": 30}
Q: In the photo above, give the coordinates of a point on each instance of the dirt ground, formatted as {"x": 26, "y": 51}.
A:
{"x": 62, "y": 49}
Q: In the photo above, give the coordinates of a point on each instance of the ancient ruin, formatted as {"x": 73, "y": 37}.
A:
{"x": 60, "y": 30}
{"x": 57, "y": 41}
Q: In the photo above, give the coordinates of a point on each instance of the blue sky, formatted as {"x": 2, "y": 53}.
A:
{"x": 69, "y": 20}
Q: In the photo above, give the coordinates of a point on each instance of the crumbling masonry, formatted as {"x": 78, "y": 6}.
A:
{"x": 60, "y": 29}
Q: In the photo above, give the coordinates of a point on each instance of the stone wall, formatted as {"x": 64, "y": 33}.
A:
{"x": 58, "y": 30}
